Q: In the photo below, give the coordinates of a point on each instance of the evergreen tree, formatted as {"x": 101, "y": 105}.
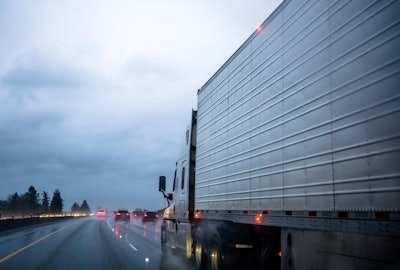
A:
{"x": 75, "y": 208}
{"x": 3, "y": 207}
{"x": 45, "y": 202}
{"x": 14, "y": 202}
{"x": 56, "y": 205}
{"x": 85, "y": 207}
{"x": 31, "y": 201}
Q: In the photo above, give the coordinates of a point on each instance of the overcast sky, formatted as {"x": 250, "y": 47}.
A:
{"x": 95, "y": 94}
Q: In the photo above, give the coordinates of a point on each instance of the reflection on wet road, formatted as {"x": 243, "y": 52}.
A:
{"x": 86, "y": 243}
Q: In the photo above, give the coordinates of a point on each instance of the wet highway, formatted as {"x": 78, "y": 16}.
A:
{"x": 86, "y": 243}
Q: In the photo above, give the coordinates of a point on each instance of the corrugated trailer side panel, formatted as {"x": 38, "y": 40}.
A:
{"x": 306, "y": 114}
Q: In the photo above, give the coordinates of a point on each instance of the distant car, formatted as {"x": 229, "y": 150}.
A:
{"x": 150, "y": 217}
{"x": 123, "y": 215}
{"x": 137, "y": 214}
{"x": 101, "y": 213}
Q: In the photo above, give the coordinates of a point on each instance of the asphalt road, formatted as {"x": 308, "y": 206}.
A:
{"x": 86, "y": 243}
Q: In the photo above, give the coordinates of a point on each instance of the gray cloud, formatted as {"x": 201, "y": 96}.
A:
{"x": 94, "y": 96}
{"x": 42, "y": 72}
{"x": 59, "y": 129}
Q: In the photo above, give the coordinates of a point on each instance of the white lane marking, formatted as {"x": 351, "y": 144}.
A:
{"x": 135, "y": 249}
{"x": 132, "y": 246}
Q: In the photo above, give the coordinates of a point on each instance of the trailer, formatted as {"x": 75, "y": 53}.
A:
{"x": 292, "y": 159}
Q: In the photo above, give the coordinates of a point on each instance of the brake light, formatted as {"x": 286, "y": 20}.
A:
{"x": 145, "y": 215}
{"x": 156, "y": 215}
{"x": 127, "y": 214}
{"x": 280, "y": 253}
{"x": 118, "y": 213}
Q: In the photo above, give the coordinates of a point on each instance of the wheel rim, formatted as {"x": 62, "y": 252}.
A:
{"x": 198, "y": 252}
{"x": 214, "y": 257}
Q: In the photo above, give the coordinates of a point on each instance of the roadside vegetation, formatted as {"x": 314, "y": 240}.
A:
{"x": 32, "y": 203}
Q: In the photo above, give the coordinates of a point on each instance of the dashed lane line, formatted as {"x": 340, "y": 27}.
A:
{"x": 135, "y": 249}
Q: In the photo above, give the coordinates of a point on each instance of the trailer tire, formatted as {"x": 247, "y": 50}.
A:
{"x": 199, "y": 254}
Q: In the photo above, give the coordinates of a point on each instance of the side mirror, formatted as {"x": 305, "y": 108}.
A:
{"x": 161, "y": 185}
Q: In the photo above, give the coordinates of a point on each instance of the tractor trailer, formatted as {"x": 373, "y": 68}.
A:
{"x": 292, "y": 159}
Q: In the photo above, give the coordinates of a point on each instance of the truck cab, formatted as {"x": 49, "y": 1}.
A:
{"x": 177, "y": 217}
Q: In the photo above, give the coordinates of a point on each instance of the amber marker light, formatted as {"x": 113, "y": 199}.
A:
{"x": 258, "y": 218}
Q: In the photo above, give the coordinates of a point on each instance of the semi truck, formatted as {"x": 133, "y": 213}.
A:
{"x": 292, "y": 158}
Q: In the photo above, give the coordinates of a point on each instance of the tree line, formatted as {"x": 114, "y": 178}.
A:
{"x": 34, "y": 203}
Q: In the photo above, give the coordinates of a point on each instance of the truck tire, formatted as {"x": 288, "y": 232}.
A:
{"x": 199, "y": 254}
{"x": 217, "y": 254}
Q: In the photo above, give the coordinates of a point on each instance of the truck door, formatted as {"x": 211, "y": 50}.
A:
{"x": 181, "y": 211}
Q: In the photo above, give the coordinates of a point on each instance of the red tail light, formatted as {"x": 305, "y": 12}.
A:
{"x": 118, "y": 214}
{"x": 156, "y": 215}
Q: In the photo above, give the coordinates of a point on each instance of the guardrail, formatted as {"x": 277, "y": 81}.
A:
{"x": 14, "y": 221}
{"x": 27, "y": 216}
